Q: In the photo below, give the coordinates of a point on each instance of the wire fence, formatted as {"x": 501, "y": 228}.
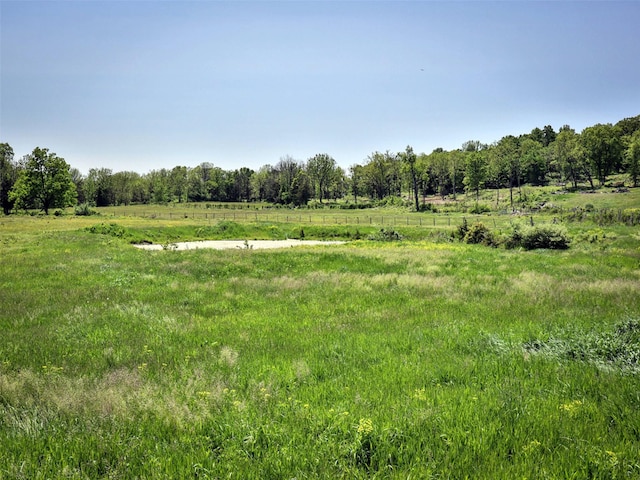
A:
{"x": 240, "y": 213}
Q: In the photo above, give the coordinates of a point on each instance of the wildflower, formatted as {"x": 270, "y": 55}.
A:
{"x": 534, "y": 444}
{"x": 613, "y": 458}
{"x": 420, "y": 394}
{"x": 571, "y": 408}
{"x": 365, "y": 426}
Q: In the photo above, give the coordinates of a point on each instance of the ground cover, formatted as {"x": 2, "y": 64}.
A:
{"x": 420, "y": 357}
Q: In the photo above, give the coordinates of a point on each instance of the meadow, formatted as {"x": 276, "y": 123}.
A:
{"x": 421, "y": 357}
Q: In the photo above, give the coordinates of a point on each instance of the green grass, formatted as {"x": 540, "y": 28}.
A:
{"x": 373, "y": 359}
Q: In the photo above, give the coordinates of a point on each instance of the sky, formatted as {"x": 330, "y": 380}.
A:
{"x": 148, "y": 84}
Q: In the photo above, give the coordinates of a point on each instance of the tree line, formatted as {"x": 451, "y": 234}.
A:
{"x": 43, "y": 180}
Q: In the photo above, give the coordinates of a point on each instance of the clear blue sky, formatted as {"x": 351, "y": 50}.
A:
{"x": 141, "y": 85}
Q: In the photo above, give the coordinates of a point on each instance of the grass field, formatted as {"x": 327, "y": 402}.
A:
{"x": 420, "y": 358}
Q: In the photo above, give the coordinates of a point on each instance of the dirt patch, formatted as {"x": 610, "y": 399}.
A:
{"x": 231, "y": 244}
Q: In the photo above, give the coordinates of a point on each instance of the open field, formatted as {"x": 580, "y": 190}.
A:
{"x": 420, "y": 358}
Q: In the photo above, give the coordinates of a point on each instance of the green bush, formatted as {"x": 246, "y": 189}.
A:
{"x": 385, "y": 236}
{"x": 480, "y": 208}
{"x": 539, "y": 236}
{"x": 111, "y": 229}
{"x": 479, "y": 234}
{"x": 84, "y": 210}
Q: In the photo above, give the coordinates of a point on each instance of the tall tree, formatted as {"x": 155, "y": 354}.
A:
{"x": 507, "y": 150}
{"x": 321, "y": 169}
{"x": 569, "y": 154}
{"x": 178, "y": 182}
{"x": 409, "y": 158}
{"x": 8, "y": 176}
{"x": 99, "y": 187}
{"x": 632, "y": 158}
{"x": 603, "y": 148}
{"x": 475, "y": 172}
{"x": 356, "y": 176}
{"x": 45, "y": 182}
{"x": 534, "y": 166}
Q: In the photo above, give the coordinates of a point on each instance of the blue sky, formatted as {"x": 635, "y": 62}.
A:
{"x": 142, "y": 85}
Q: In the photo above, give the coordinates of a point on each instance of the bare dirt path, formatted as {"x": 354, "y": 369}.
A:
{"x": 242, "y": 244}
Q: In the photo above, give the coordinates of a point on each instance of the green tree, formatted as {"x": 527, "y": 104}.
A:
{"x": 45, "y": 182}
{"x": 8, "y": 176}
{"x": 632, "y": 158}
{"x": 124, "y": 187}
{"x": 99, "y": 189}
{"x": 356, "y": 177}
{"x": 409, "y": 158}
{"x": 178, "y": 183}
{"x": 534, "y": 165}
{"x": 507, "y": 151}
{"x": 603, "y": 148}
{"x": 382, "y": 176}
{"x": 569, "y": 154}
{"x": 475, "y": 172}
{"x": 301, "y": 189}
{"x": 322, "y": 170}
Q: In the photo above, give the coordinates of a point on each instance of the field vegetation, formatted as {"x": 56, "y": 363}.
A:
{"x": 411, "y": 351}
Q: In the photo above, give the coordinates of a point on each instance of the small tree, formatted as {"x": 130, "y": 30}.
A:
{"x": 45, "y": 182}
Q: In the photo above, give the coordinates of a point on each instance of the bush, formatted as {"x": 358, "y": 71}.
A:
{"x": 386, "y": 236}
{"x": 84, "y": 210}
{"x": 539, "y": 236}
{"x": 479, "y": 234}
{"x": 111, "y": 229}
{"x": 480, "y": 208}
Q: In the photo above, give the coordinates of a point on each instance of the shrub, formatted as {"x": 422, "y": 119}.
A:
{"x": 539, "y": 236}
{"x": 111, "y": 229}
{"x": 479, "y": 234}
{"x": 84, "y": 210}
{"x": 386, "y": 236}
{"x": 480, "y": 208}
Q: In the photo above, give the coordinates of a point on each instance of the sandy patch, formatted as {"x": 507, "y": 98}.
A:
{"x": 241, "y": 244}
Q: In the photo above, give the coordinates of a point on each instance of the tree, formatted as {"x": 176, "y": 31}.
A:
{"x": 99, "y": 187}
{"x": 356, "y": 175}
{"x": 321, "y": 169}
{"x": 301, "y": 189}
{"x": 569, "y": 154}
{"x": 124, "y": 185}
{"x": 45, "y": 182}
{"x": 507, "y": 150}
{"x": 475, "y": 172}
{"x": 178, "y": 183}
{"x": 632, "y": 158}
{"x": 603, "y": 148}
{"x": 533, "y": 159}
{"x": 409, "y": 158}
{"x": 8, "y": 176}
{"x": 381, "y": 175}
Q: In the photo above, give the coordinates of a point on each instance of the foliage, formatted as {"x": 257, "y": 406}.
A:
{"x": 539, "y": 236}
{"x": 617, "y": 348}
{"x": 479, "y": 208}
{"x": 84, "y": 210}
{"x": 8, "y": 175}
{"x": 110, "y": 229}
{"x": 385, "y": 235}
{"x": 45, "y": 182}
{"x": 479, "y": 234}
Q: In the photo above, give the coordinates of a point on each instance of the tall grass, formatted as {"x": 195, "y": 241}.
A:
{"x": 369, "y": 360}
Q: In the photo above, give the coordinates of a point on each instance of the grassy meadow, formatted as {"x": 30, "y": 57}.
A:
{"x": 419, "y": 358}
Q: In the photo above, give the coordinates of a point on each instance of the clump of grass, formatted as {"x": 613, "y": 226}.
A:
{"x": 386, "y": 235}
{"x": 618, "y": 348}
